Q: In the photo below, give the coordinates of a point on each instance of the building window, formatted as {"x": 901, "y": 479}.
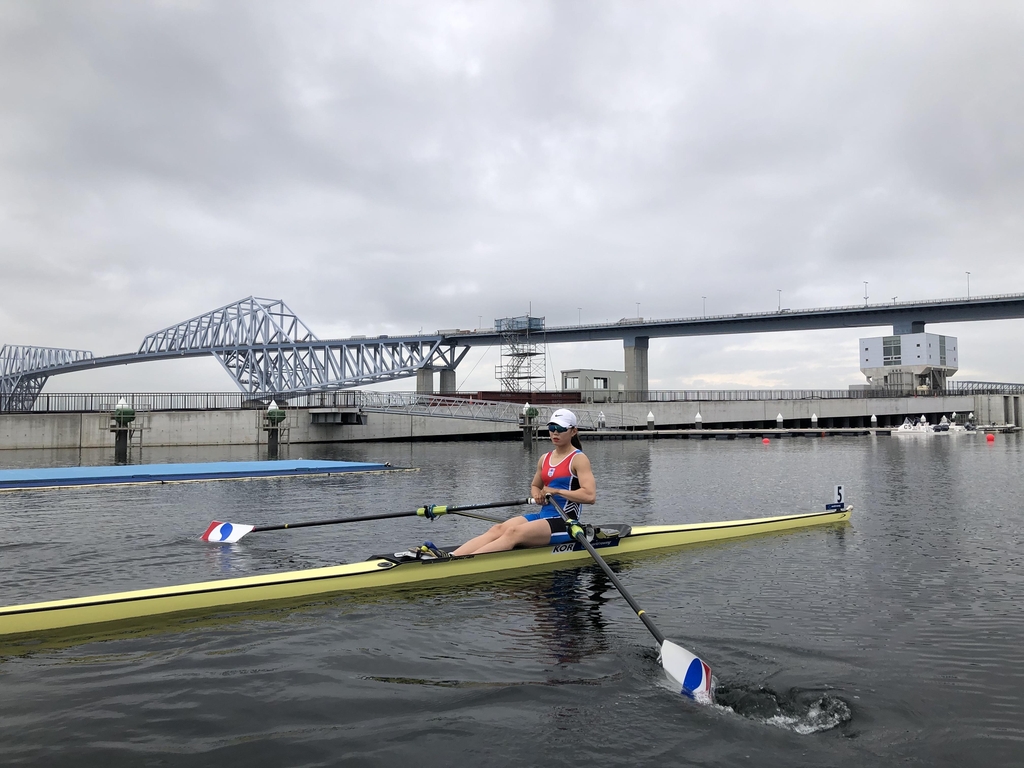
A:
{"x": 600, "y": 382}
{"x": 572, "y": 382}
{"x": 891, "y": 350}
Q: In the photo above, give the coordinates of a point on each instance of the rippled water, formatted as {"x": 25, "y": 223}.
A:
{"x": 902, "y": 630}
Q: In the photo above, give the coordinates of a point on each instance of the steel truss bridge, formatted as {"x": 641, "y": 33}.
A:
{"x": 262, "y": 345}
{"x": 266, "y": 348}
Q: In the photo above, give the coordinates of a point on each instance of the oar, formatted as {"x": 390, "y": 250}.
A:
{"x": 228, "y": 533}
{"x": 690, "y": 673}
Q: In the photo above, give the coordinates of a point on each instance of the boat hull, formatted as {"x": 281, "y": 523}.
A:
{"x": 376, "y": 573}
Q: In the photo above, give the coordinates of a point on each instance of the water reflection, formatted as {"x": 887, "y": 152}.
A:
{"x": 567, "y": 610}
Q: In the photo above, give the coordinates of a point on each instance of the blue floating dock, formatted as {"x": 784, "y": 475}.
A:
{"x": 62, "y": 477}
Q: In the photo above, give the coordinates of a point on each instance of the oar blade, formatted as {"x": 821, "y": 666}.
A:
{"x": 690, "y": 673}
{"x": 225, "y": 533}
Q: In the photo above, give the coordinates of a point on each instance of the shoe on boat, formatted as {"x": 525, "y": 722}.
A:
{"x": 427, "y": 551}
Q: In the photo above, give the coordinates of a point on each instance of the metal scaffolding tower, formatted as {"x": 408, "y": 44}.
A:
{"x": 523, "y": 367}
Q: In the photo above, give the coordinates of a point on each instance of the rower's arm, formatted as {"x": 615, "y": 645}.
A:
{"x": 537, "y": 486}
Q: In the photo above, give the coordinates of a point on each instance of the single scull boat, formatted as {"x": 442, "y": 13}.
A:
{"x": 382, "y": 571}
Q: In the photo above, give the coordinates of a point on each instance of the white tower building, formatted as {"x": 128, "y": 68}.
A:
{"x": 921, "y": 361}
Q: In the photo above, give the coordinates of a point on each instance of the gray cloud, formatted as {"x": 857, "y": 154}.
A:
{"x": 390, "y": 166}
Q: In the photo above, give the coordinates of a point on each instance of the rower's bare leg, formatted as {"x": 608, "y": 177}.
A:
{"x": 533, "y": 533}
{"x": 493, "y": 533}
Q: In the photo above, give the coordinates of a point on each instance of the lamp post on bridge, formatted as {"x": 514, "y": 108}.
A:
{"x": 865, "y": 293}
{"x": 968, "y": 285}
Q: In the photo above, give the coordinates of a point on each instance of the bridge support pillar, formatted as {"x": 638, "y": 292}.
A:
{"x": 447, "y": 376}
{"x": 425, "y": 381}
{"x": 907, "y": 326}
{"x": 635, "y": 349}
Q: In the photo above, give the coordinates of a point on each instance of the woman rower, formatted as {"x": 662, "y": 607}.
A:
{"x": 565, "y": 474}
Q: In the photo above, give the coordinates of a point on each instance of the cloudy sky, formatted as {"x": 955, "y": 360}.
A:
{"x": 396, "y": 166}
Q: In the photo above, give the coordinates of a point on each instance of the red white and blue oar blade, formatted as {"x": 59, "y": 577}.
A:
{"x": 225, "y": 533}
{"x": 690, "y": 674}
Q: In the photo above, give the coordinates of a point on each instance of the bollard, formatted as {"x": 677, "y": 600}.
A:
{"x": 529, "y": 426}
{"x": 275, "y": 415}
{"x": 123, "y": 417}
{"x": 698, "y": 421}
{"x": 650, "y": 419}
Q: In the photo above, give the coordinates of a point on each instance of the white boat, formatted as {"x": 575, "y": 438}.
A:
{"x": 920, "y": 426}
{"x": 967, "y": 427}
{"x": 916, "y": 427}
{"x": 956, "y": 429}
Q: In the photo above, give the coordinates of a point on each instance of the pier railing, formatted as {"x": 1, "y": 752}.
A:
{"x": 103, "y": 402}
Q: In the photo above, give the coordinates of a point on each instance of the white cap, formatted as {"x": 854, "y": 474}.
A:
{"x": 563, "y": 417}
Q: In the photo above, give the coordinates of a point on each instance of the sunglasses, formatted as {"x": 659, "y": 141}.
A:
{"x": 557, "y": 428}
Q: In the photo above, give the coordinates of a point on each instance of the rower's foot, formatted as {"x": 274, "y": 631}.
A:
{"x": 427, "y": 551}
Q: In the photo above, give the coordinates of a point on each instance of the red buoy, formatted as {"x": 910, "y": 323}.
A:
{"x": 990, "y": 437}
{"x": 765, "y": 440}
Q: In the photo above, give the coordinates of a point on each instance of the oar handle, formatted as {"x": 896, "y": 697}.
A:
{"x": 577, "y": 532}
{"x": 428, "y": 510}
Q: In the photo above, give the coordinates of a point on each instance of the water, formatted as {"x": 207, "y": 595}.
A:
{"x": 893, "y": 639}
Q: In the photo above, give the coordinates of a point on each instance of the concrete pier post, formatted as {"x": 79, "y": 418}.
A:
{"x": 425, "y": 381}
{"x": 121, "y": 446}
{"x": 635, "y": 351}
{"x": 447, "y": 377}
{"x": 528, "y": 420}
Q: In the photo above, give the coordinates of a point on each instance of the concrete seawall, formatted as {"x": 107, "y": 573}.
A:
{"x": 988, "y": 409}
{"x": 242, "y": 427}
{"x": 231, "y": 427}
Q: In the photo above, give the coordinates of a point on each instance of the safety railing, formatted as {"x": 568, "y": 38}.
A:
{"x": 455, "y": 406}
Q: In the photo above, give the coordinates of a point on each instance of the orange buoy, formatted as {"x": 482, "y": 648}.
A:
{"x": 990, "y": 437}
{"x": 765, "y": 440}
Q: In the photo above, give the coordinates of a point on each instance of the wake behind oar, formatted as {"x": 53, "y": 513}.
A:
{"x": 690, "y": 674}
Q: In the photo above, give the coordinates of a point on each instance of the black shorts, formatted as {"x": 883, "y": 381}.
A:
{"x": 557, "y": 525}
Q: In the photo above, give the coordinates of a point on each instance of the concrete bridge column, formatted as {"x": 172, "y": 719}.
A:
{"x": 635, "y": 349}
{"x": 448, "y": 381}
{"x": 425, "y": 381}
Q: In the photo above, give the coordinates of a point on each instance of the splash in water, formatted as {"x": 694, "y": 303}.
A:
{"x": 801, "y": 711}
